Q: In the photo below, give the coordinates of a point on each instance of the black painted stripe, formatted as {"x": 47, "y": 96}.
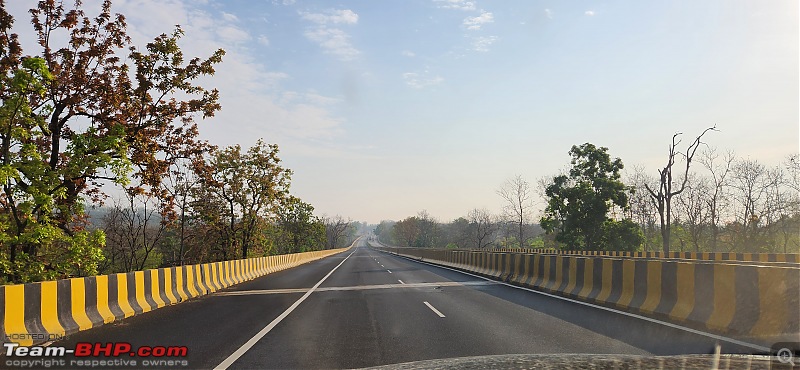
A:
{"x": 703, "y": 293}
{"x": 639, "y": 284}
{"x": 747, "y": 299}
{"x": 64, "y": 303}
{"x": 148, "y": 290}
{"x": 90, "y": 295}
{"x": 597, "y": 278}
{"x": 33, "y": 310}
{"x": 163, "y": 286}
{"x": 113, "y": 296}
{"x": 616, "y": 281}
{"x": 131, "y": 285}
{"x": 580, "y": 266}
{"x": 669, "y": 288}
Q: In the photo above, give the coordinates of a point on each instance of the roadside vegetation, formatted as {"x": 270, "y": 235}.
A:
{"x": 101, "y": 165}
{"x": 703, "y": 200}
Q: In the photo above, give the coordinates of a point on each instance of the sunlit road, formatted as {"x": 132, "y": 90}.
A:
{"x": 374, "y": 309}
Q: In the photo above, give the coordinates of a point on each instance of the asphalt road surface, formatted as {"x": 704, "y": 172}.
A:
{"x": 370, "y": 308}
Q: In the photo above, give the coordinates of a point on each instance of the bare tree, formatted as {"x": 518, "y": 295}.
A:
{"x": 335, "y": 230}
{"x": 692, "y": 206}
{"x": 517, "y": 194}
{"x": 482, "y": 227}
{"x": 642, "y": 206}
{"x": 717, "y": 198}
{"x": 133, "y": 231}
{"x": 751, "y": 184}
{"x": 663, "y": 197}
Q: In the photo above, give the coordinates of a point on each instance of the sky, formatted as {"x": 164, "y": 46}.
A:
{"x": 386, "y": 108}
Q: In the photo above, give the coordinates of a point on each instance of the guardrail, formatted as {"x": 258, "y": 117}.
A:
{"x": 757, "y": 302}
{"x": 35, "y": 313}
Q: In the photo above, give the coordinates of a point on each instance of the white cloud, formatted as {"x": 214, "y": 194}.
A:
{"x": 232, "y": 34}
{"x": 475, "y": 23}
{"x": 419, "y": 82}
{"x": 482, "y": 44}
{"x": 408, "y": 53}
{"x": 263, "y": 40}
{"x": 336, "y": 16}
{"x": 455, "y": 4}
{"x": 230, "y": 17}
{"x": 250, "y": 92}
{"x": 589, "y": 13}
{"x": 333, "y": 41}
{"x": 548, "y": 13}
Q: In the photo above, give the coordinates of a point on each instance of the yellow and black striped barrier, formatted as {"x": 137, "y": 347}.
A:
{"x": 39, "y": 312}
{"x": 704, "y": 256}
{"x": 752, "y": 301}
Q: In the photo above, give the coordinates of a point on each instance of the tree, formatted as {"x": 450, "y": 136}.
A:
{"x": 407, "y": 231}
{"x": 482, "y": 227}
{"x": 335, "y": 230}
{"x": 304, "y": 230}
{"x": 251, "y": 186}
{"x": 579, "y": 203}
{"x": 133, "y": 231}
{"x": 84, "y": 122}
{"x": 663, "y": 197}
{"x": 516, "y": 192}
{"x": 692, "y": 206}
{"x": 717, "y": 198}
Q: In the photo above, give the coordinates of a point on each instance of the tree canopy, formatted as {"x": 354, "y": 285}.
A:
{"x": 578, "y": 203}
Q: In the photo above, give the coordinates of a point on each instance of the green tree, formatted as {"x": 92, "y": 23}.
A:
{"x": 304, "y": 230}
{"x": 579, "y": 203}
{"x": 248, "y": 186}
{"x": 92, "y": 109}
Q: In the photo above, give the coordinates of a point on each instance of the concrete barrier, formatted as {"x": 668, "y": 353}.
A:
{"x": 705, "y": 256}
{"x": 759, "y": 303}
{"x": 39, "y": 312}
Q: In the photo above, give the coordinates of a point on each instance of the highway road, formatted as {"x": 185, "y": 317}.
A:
{"x": 364, "y": 308}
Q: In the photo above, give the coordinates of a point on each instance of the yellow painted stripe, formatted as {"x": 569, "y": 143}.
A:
{"x": 169, "y": 290}
{"x": 138, "y": 280}
{"x": 155, "y": 290}
{"x": 605, "y": 289}
{"x": 49, "y": 308}
{"x": 189, "y": 284}
{"x": 685, "y": 299}
{"x": 14, "y": 315}
{"x": 653, "y": 297}
{"x": 559, "y": 273}
{"x": 772, "y": 294}
{"x": 535, "y": 275}
{"x": 78, "y": 297}
{"x": 103, "y": 307}
{"x": 573, "y": 275}
{"x": 181, "y": 290}
{"x": 122, "y": 295}
{"x": 724, "y": 297}
{"x": 628, "y": 268}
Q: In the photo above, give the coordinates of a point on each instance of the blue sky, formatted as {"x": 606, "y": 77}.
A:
{"x": 386, "y": 108}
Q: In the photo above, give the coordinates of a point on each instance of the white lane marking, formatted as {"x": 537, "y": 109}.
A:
{"x": 434, "y": 309}
{"x": 390, "y": 271}
{"x": 250, "y": 343}
{"x": 401, "y": 281}
{"x": 669, "y": 324}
